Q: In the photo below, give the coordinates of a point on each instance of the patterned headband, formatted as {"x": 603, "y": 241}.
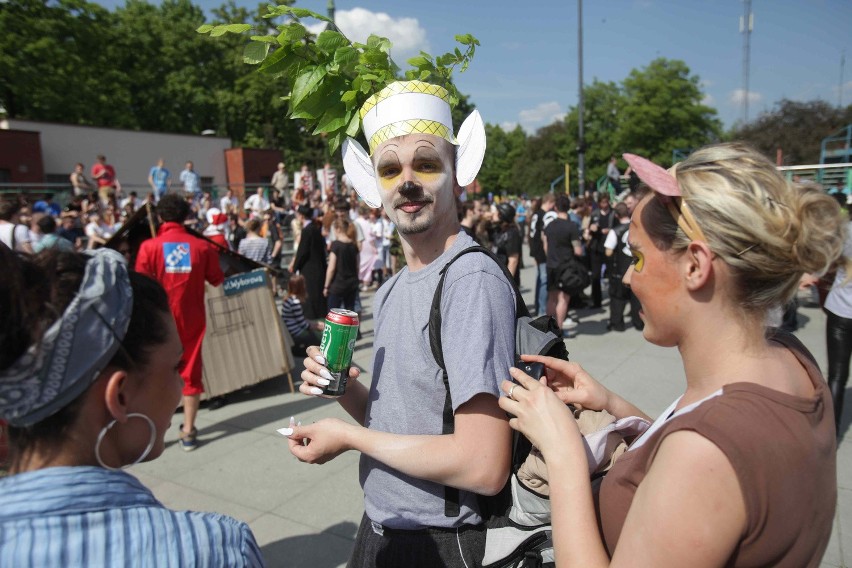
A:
{"x": 64, "y": 363}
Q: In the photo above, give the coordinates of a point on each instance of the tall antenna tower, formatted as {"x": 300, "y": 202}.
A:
{"x": 746, "y": 27}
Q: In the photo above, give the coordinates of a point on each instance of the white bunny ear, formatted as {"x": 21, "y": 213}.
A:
{"x": 359, "y": 169}
{"x": 471, "y": 150}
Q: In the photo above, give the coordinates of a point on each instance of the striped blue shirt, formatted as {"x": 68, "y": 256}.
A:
{"x": 293, "y": 315}
{"x": 89, "y": 516}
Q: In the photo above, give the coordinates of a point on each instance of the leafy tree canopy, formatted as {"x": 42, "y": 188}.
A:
{"x": 797, "y": 128}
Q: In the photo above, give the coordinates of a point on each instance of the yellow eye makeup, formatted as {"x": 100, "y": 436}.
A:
{"x": 638, "y": 261}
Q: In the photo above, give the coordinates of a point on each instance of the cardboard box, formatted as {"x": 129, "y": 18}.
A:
{"x": 245, "y": 342}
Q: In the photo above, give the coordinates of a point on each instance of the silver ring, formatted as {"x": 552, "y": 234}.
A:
{"x": 512, "y": 390}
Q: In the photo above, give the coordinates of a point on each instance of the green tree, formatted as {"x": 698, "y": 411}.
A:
{"x": 541, "y": 161}
{"x": 504, "y": 150}
{"x": 173, "y": 74}
{"x": 55, "y": 63}
{"x": 603, "y": 103}
{"x": 797, "y": 128}
{"x": 663, "y": 111}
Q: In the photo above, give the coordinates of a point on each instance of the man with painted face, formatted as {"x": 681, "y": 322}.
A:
{"x": 410, "y": 469}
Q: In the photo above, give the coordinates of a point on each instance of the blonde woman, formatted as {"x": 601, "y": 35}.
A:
{"x": 739, "y": 470}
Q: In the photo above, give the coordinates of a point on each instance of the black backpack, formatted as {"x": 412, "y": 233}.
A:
{"x": 523, "y": 538}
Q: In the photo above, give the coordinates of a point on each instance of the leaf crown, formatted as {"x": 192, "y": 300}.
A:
{"x": 332, "y": 77}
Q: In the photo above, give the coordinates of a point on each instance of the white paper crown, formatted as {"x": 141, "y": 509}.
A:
{"x": 409, "y": 107}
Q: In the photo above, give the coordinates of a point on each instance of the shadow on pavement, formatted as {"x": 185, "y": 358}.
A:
{"x": 257, "y": 419}
{"x": 329, "y": 548}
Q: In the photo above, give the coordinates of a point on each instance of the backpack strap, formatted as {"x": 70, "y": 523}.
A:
{"x": 451, "y": 494}
{"x": 435, "y": 317}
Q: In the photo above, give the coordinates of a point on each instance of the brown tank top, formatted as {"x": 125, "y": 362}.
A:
{"x": 783, "y": 450}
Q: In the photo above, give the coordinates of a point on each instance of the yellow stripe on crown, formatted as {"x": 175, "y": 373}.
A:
{"x": 414, "y": 126}
{"x": 400, "y": 87}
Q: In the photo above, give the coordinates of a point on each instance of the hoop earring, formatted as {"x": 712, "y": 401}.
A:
{"x": 107, "y": 428}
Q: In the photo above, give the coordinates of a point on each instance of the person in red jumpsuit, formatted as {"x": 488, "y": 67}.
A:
{"x": 182, "y": 263}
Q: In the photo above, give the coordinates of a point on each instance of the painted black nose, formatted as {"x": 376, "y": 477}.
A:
{"x": 409, "y": 187}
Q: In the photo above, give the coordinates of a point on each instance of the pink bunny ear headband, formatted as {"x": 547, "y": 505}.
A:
{"x": 408, "y": 107}
{"x": 665, "y": 183}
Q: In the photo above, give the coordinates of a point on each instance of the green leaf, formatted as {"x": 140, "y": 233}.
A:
{"x": 349, "y": 96}
{"x": 330, "y": 40}
{"x": 204, "y": 28}
{"x": 274, "y": 11}
{"x": 317, "y": 103}
{"x": 334, "y": 118}
{"x": 229, "y": 28}
{"x": 418, "y": 61}
{"x": 335, "y": 141}
{"x": 424, "y": 75}
{"x": 278, "y": 61}
{"x": 291, "y": 32}
{"x": 305, "y": 13}
{"x": 354, "y": 124}
{"x": 265, "y": 39}
{"x": 345, "y": 55}
{"x": 305, "y": 83}
{"x": 467, "y": 39}
{"x": 255, "y": 52}
{"x": 374, "y": 58}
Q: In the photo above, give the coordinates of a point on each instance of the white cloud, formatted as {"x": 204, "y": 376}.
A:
{"x": 508, "y": 126}
{"x": 738, "y": 97}
{"x": 542, "y": 115}
{"x": 708, "y": 100}
{"x": 406, "y": 34}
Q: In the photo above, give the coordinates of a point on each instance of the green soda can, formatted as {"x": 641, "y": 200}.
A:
{"x": 337, "y": 346}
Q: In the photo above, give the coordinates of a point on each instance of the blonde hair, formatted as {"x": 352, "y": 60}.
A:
{"x": 767, "y": 230}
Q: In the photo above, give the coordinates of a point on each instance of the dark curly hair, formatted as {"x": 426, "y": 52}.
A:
{"x": 173, "y": 208}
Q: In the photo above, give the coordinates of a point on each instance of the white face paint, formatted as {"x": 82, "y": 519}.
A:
{"x": 416, "y": 179}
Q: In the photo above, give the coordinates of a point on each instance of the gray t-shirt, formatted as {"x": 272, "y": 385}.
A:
{"x": 407, "y": 392}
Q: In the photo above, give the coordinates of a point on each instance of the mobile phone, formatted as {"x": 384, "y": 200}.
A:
{"x": 535, "y": 370}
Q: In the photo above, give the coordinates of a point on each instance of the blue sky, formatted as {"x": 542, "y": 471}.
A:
{"x": 525, "y": 71}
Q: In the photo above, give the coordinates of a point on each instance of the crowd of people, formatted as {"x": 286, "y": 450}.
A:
{"x": 740, "y": 470}
{"x": 583, "y": 233}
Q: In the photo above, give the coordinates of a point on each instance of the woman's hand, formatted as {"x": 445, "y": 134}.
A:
{"x": 316, "y": 376}
{"x": 538, "y": 413}
{"x": 572, "y": 384}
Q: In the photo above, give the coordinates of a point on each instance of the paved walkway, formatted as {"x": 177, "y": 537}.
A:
{"x": 306, "y": 516}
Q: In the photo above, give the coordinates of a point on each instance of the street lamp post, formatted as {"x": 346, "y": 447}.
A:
{"x": 581, "y": 143}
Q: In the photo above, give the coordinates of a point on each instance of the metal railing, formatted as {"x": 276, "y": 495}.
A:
{"x": 833, "y": 175}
